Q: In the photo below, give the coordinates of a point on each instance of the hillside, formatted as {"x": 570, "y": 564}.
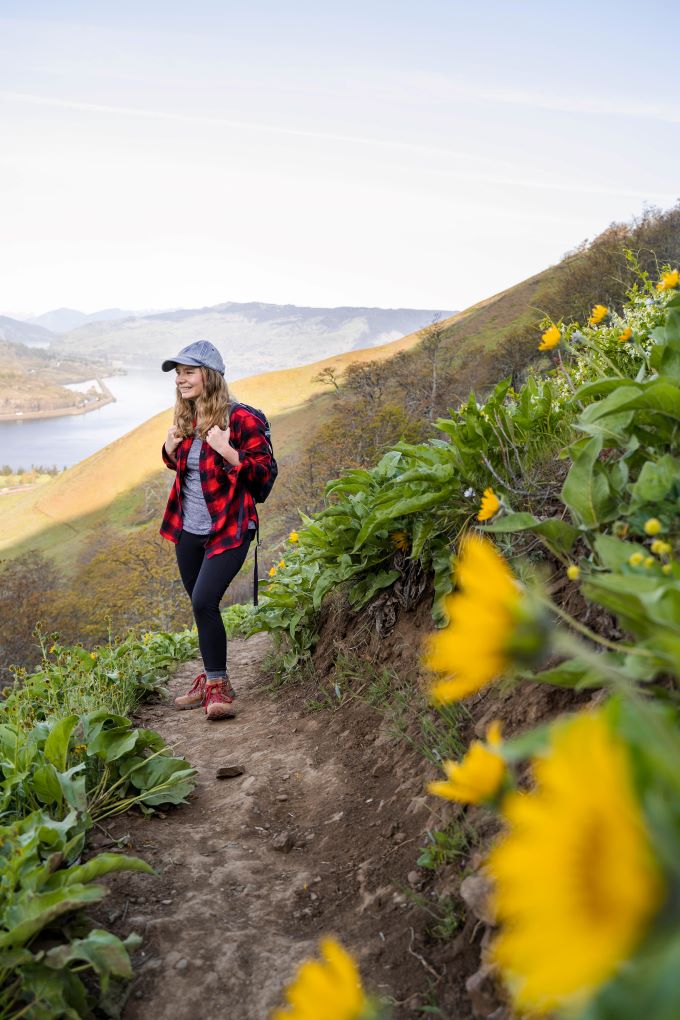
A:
{"x": 33, "y": 377}
{"x": 273, "y": 336}
{"x": 57, "y": 518}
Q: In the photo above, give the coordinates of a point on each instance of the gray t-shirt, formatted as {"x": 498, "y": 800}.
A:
{"x": 195, "y": 515}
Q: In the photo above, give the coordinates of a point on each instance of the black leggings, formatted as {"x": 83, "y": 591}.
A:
{"x": 206, "y": 579}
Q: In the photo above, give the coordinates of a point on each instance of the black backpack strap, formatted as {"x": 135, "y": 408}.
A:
{"x": 255, "y": 579}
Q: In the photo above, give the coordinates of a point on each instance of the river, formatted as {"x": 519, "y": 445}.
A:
{"x": 140, "y": 395}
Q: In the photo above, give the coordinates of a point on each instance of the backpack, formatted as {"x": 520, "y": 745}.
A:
{"x": 260, "y": 490}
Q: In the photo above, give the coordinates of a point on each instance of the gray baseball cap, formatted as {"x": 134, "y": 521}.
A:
{"x": 200, "y": 353}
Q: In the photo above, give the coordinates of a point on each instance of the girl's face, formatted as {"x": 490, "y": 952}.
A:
{"x": 189, "y": 381}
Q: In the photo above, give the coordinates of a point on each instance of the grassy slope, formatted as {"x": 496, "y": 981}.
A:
{"x": 58, "y": 518}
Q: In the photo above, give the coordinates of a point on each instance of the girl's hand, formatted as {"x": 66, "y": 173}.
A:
{"x": 172, "y": 442}
{"x": 219, "y": 440}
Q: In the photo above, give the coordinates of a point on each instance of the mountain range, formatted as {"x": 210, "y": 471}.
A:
{"x": 253, "y": 336}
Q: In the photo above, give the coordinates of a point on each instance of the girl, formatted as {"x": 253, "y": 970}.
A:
{"x": 211, "y": 515}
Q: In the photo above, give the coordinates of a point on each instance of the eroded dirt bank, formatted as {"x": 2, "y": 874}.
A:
{"x": 320, "y": 834}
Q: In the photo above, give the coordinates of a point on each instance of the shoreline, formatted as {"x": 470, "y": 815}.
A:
{"x": 63, "y": 412}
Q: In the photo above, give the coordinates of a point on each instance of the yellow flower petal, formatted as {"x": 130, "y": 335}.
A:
{"x": 598, "y": 313}
{"x": 478, "y": 777}
{"x": 490, "y": 505}
{"x": 576, "y": 882}
{"x": 669, "y": 280}
{"x": 550, "y": 339}
{"x": 471, "y": 649}
{"x": 625, "y": 336}
{"x": 293, "y": 537}
{"x": 653, "y": 526}
{"x": 325, "y": 990}
{"x": 573, "y": 572}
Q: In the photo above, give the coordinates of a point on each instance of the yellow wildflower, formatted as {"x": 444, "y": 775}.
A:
{"x": 293, "y": 537}
{"x": 660, "y": 548}
{"x": 53, "y": 649}
{"x": 272, "y": 572}
{"x": 472, "y": 649}
{"x": 576, "y": 883}
{"x": 626, "y": 335}
{"x": 93, "y": 655}
{"x": 653, "y": 526}
{"x": 669, "y": 280}
{"x": 635, "y": 559}
{"x": 649, "y": 561}
{"x": 490, "y": 505}
{"x": 281, "y": 564}
{"x": 598, "y": 313}
{"x": 573, "y": 572}
{"x": 478, "y": 777}
{"x": 666, "y": 568}
{"x": 328, "y": 990}
{"x": 399, "y": 540}
{"x": 550, "y": 339}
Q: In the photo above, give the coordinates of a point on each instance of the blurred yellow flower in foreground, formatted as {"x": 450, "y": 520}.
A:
{"x": 635, "y": 559}
{"x": 576, "y": 883}
{"x": 293, "y": 537}
{"x": 598, "y": 313}
{"x": 550, "y": 338}
{"x": 472, "y": 649}
{"x": 573, "y": 571}
{"x": 626, "y": 335}
{"x": 490, "y": 505}
{"x": 661, "y": 548}
{"x": 478, "y": 777}
{"x": 653, "y": 526}
{"x": 328, "y": 990}
{"x": 669, "y": 280}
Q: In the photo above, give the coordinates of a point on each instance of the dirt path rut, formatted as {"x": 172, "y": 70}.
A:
{"x": 318, "y": 835}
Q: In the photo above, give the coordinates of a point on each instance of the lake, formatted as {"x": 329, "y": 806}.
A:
{"x": 140, "y": 395}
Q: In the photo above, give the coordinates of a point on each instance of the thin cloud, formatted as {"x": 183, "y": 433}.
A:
{"x": 504, "y": 180}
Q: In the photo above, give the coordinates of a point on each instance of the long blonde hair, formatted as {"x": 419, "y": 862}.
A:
{"x": 211, "y": 408}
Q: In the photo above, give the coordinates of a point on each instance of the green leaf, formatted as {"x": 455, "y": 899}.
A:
{"x": 364, "y": 590}
{"x": 31, "y": 912}
{"x": 105, "y": 953}
{"x": 586, "y": 488}
{"x": 102, "y": 864}
{"x": 560, "y": 534}
{"x": 45, "y": 782}
{"x": 614, "y": 553}
{"x": 56, "y": 745}
{"x": 655, "y": 480}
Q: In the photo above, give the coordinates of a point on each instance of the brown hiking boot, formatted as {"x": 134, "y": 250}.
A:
{"x": 219, "y": 697}
{"x": 195, "y": 696}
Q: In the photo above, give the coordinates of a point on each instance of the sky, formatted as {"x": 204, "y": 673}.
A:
{"x": 163, "y": 154}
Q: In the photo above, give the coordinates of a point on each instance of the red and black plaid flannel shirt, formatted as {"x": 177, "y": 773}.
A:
{"x": 227, "y": 497}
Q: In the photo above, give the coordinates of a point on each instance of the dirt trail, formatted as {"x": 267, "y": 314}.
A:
{"x": 230, "y": 916}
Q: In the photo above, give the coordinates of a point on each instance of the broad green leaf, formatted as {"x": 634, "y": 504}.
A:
{"x": 56, "y": 745}
{"x": 586, "y": 489}
{"x": 655, "y": 480}
{"x": 45, "y": 782}
{"x": 102, "y": 864}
